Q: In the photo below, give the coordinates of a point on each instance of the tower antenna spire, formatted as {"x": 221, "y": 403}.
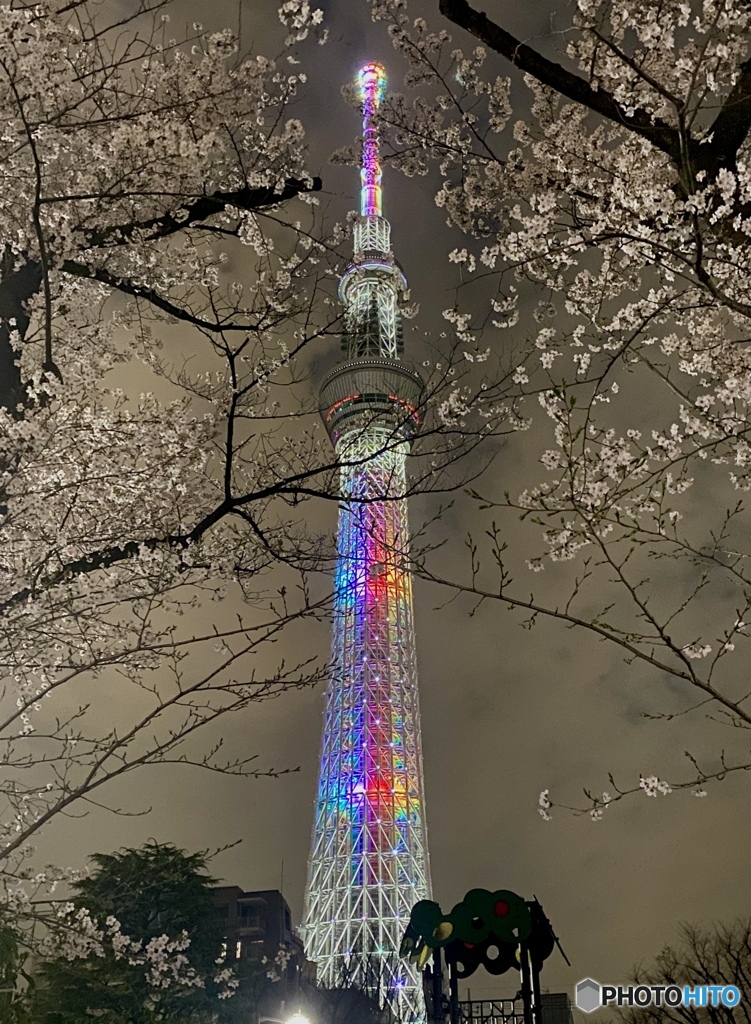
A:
{"x": 372, "y": 85}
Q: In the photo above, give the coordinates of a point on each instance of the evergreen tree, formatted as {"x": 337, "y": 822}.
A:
{"x": 149, "y": 896}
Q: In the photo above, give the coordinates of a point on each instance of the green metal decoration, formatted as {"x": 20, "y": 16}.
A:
{"x": 495, "y": 930}
{"x": 484, "y": 929}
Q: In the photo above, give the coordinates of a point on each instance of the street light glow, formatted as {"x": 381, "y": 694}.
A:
{"x": 298, "y": 1018}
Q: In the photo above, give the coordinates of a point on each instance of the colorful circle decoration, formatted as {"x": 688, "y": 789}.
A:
{"x": 495, "y": 956}
{"x": 482, "y": 914}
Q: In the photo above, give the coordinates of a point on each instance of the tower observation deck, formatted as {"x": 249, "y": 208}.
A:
{"x": 368, "y": 864}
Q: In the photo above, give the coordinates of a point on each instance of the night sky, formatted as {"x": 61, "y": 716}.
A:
{"x": 505, "y": 712}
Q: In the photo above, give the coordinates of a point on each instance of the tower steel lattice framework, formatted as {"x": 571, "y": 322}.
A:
{"x": 368, "y": 862}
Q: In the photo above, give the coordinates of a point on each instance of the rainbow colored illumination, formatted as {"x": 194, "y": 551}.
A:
{"x": 368, "y": 863}
{"x": 372, "y": 83}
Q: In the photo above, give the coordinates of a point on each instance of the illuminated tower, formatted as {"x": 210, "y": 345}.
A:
{"x": 368, "y": 862}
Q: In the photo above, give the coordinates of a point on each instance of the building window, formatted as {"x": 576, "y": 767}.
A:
{"x": 251, "y": 915}
{"x": 238, "y": 949}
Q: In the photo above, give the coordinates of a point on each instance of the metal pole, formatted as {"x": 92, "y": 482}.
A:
{"x": 454, "y": 994}
{"x": 439, "y": 1006}
{"x": 524, "y": 968}
{"x": 537, "y": 1009}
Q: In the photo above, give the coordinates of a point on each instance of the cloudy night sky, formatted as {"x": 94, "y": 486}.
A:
{"x": 506, "y": 712}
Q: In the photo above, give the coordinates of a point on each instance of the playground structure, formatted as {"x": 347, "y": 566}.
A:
{"x": 496, "y": 930}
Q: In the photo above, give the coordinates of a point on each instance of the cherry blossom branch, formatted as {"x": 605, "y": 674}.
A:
{"x": 727, "y": 132}
{"x": 502, "y": 595}
{"x": 115, "y": 749}
{"x": 650, "y": 785}
{"x": 548, "y": 73}
{"x": 195, "y": 211}
{"x": 731, "y": 126}
{"x": 38, "y": 230}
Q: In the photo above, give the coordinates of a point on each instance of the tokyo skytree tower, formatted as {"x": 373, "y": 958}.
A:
{"x": 368, "y": 864}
